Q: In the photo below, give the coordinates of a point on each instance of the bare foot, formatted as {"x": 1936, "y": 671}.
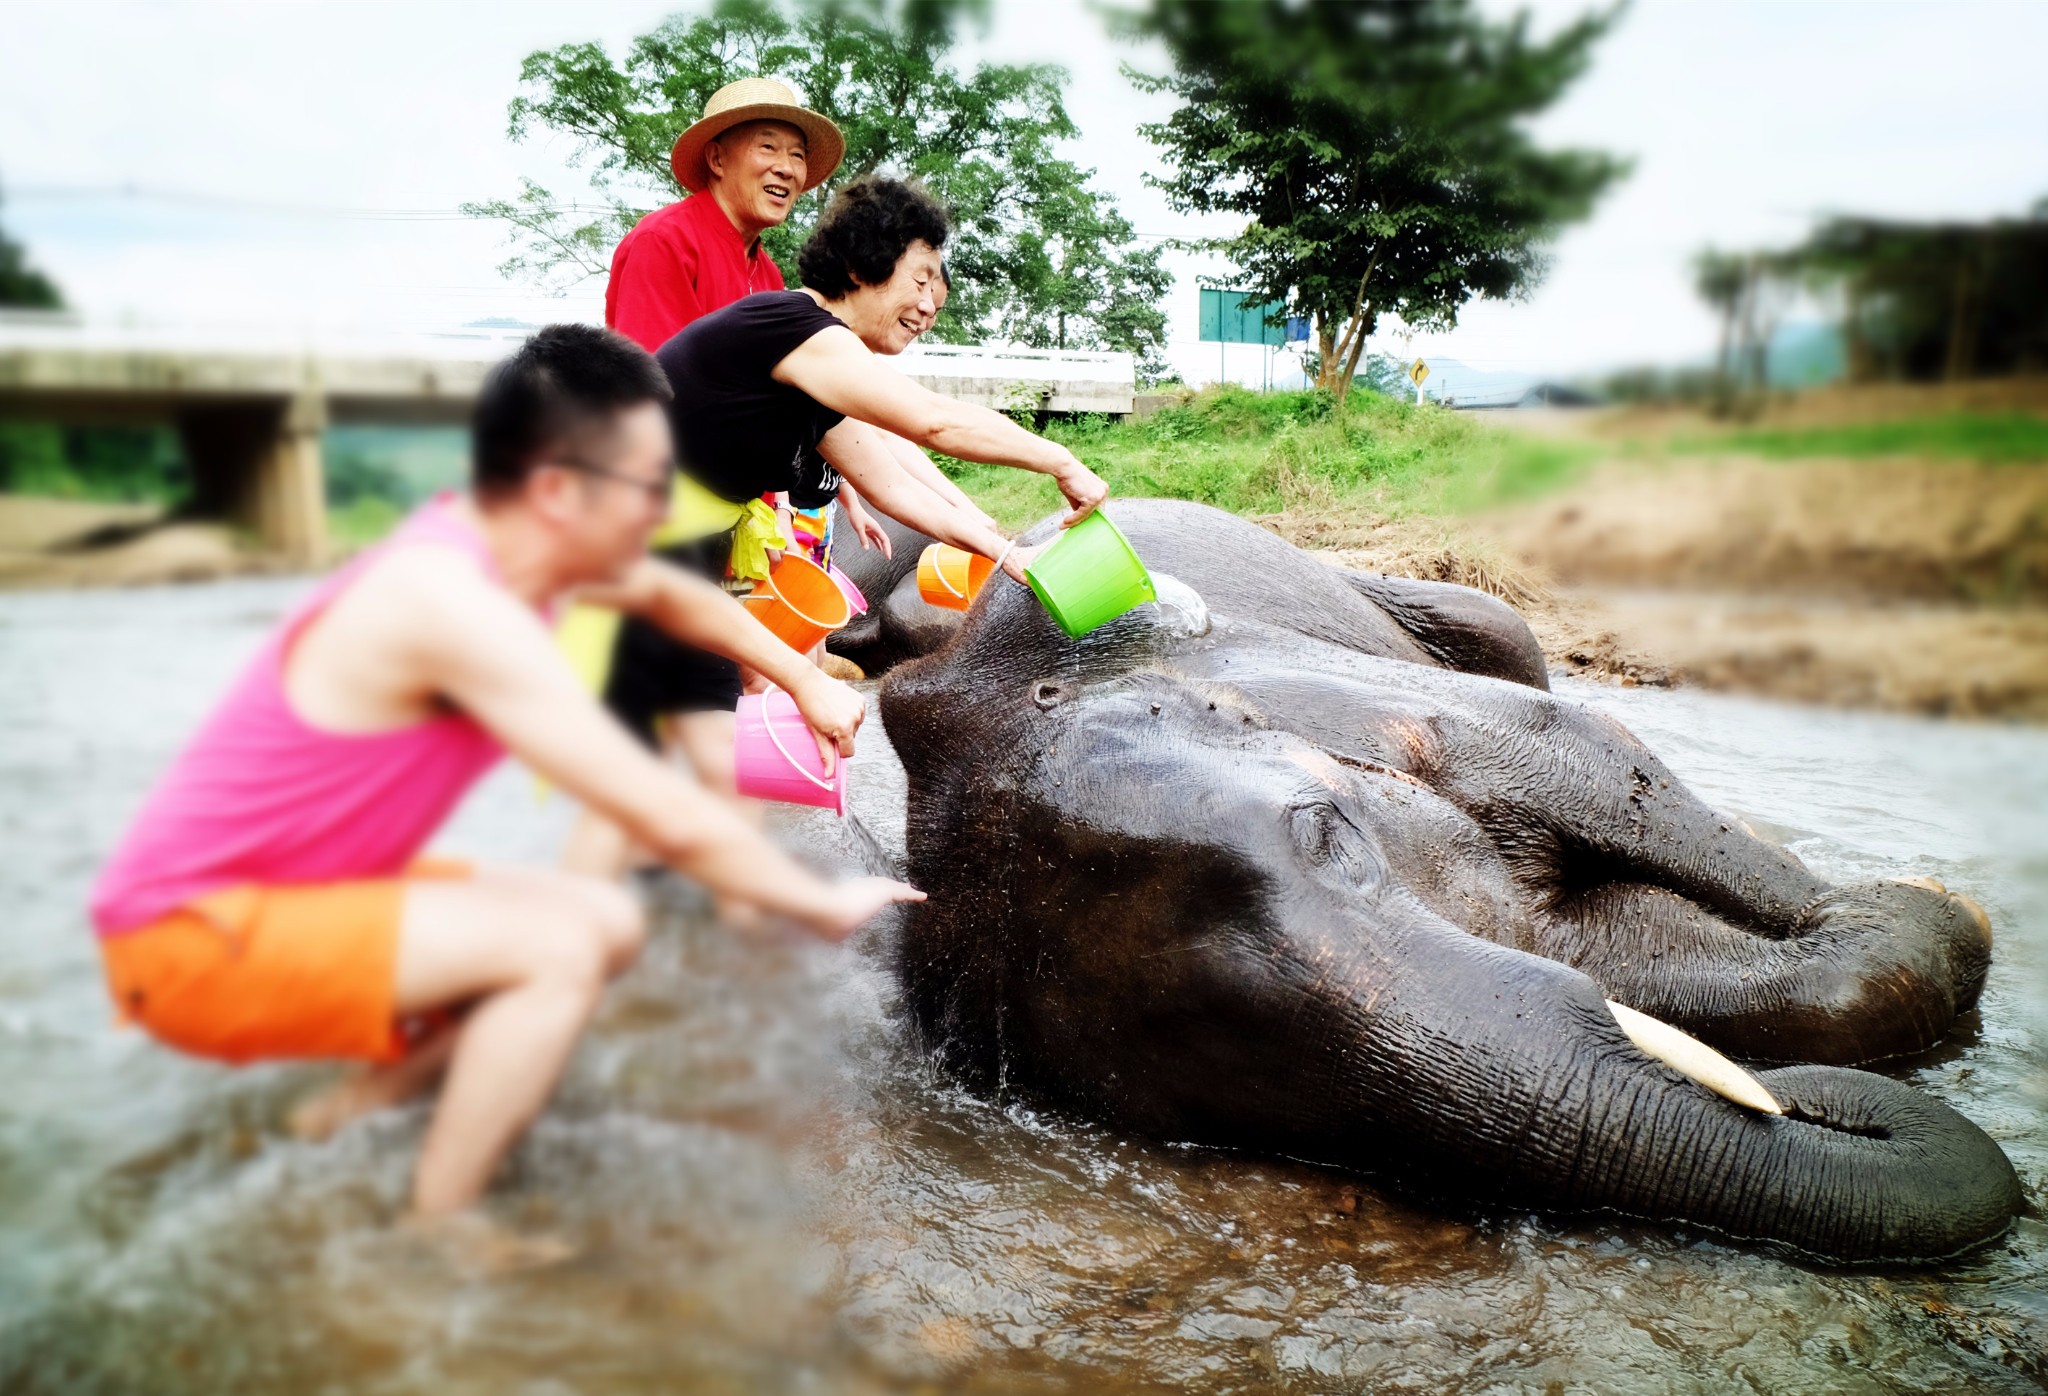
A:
{"x": 366, "y": 1090}
{"x": 479, "y": 1247}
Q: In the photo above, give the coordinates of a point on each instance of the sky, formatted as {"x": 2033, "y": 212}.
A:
{"x": 295, "y": 168}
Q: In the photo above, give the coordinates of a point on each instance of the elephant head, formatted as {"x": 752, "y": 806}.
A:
{"x": 1206, "y": 876}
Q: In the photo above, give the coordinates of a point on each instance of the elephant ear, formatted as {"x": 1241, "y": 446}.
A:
{"x": 1459, "y": 627}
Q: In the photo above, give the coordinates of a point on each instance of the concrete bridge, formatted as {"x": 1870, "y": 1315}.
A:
{"x": 250, "y": 414}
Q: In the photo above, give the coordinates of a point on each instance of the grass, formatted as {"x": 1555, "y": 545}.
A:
{"x": 364, "y": 520}
{"x": 1263, "y": 453}
{"x": 2008, "y": 438}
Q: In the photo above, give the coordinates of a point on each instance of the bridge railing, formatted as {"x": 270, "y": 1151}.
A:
{"x": 1007, "y": 377}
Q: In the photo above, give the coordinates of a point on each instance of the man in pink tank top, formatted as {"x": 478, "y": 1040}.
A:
{"x": 269, "y": 900}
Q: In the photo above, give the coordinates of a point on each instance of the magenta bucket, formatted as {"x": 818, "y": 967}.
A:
{"x": 775, "y": 757}
{"x": 853, "y": 596}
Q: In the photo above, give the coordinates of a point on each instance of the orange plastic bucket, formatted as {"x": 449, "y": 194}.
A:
{"x": 799, "y": 601}
{"x": 949, "y": 576}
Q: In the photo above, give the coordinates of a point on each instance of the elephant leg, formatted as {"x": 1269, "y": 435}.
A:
{"x": 1461, "y": 627}
{"x": 1765, "y": 958}
{"x": 1850, "y": 988}
{"x": 1621, "y": 860}
{"x": 1568, "y": 796}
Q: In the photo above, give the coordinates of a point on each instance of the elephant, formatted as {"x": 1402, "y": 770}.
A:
{"x": 899, "y": 624}
{"x": 1312, "y": 863}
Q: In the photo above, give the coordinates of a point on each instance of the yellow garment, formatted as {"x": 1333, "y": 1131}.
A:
{"x": 698, "y": 513}
{"x": 587, "y": 634}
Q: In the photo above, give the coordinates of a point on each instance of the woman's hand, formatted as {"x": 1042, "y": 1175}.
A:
{"x": 1083, "y": 488}
{"x": 870, "y": 533}
{"x": 834, "y": 712}
{"x": 1017, "y": 559}
{"x": 785, "y": 529}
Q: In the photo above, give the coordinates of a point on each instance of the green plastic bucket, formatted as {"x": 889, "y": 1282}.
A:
{"x": 1089, "y": 576}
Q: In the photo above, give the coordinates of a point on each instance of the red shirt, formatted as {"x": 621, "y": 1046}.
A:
{"x": 679, "y": 263}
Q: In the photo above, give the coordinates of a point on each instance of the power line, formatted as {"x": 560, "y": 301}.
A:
{"x": 141, "y": 193}
{"x": 145, "y": 194}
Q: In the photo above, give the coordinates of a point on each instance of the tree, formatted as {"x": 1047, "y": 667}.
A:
{"x": 1036, "y": 255}
{"x": 1722, "y": 280}
{"x": 1383, "y": 374}
{"x": 1749, "y": 292}
{"x": 1377, "y": 148}
{"x": 21, "y": 285}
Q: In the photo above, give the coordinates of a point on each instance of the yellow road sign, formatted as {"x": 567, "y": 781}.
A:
{"x": 1419, "y": 372}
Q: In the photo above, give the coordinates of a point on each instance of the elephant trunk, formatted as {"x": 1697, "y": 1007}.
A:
{"x": 1535, "y": 1095}
{"x": 1857, "y": 1167}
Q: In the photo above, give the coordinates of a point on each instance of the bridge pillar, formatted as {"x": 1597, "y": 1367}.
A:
{"x": 258, "y": 465}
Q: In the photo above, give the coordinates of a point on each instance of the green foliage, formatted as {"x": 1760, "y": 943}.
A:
{"x": 1988, "y": 437}
{"x": 351, "y": 477}
{"x": 1037, "y": 256}
{"x": 364, "y": 520}
{"x": 1383, "y": 374}
{"x": 21, "y": 285}
{"x": 1937, "y": 300}
{"x": 128, "y": 464}
{"x": 1260, "y": 453}
{"x": 1378, "y": 150}
{"x": 375, "y": 475}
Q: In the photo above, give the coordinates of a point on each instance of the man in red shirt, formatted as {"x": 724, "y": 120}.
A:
{"x": 744, "y": 164}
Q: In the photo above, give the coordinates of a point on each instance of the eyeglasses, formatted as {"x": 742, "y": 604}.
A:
{"x": 661, "y": 491}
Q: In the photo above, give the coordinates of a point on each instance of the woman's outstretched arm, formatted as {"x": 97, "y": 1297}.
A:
{"x": 836, "y": 369}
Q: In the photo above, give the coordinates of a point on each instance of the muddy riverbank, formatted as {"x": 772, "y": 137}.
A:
{"x": 1907, "y": 586}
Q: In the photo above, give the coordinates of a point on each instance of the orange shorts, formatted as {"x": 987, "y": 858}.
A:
{"x": 252, "y": 972}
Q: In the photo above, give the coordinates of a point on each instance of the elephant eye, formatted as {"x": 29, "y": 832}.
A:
{"x": 1332, "y": 844}
{"x": 1049, "y": 693}
{"x": 1315, "y": 825}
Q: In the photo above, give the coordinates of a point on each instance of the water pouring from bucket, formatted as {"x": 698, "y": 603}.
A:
{"x": 1089, "y": 575}
{"x": 776, "y": 756}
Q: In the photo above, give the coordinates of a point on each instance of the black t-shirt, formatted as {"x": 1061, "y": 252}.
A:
{"x": 738, "y": 431}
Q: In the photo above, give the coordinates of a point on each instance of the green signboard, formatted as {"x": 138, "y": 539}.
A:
{"x": 1233, "y": 317}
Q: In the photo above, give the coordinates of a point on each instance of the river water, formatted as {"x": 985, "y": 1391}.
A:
{"x": 772, "y": 1191}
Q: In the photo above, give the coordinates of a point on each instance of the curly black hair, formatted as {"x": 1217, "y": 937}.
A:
{"x": 865, "y": 232}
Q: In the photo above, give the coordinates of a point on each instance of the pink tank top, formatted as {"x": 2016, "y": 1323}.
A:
{"x": 259, "y": 796}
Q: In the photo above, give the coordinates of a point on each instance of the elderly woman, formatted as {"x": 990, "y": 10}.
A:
{"x": 788, "y": 392}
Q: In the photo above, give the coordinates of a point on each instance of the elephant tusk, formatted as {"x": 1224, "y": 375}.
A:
{"x": 1689, "y": 1056}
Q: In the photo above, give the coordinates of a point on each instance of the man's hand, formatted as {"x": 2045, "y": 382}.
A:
{"x": 834, "y": 712}
{"x": 1083, "y": 488}
{"x": 855, "y": 902}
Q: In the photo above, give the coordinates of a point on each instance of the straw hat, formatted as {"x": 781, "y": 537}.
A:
{"x": 755, "y": 99}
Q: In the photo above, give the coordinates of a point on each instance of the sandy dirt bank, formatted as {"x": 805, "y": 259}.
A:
{"x": 1916, "y": 586}
{"x": 67, "y": 543}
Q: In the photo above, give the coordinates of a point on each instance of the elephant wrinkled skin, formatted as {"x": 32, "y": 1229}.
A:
{"x": 1310, "y": 862}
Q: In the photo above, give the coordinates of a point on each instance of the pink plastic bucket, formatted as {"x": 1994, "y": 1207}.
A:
{"x": 853, "y": 596}
{"x": 776, "y": 758}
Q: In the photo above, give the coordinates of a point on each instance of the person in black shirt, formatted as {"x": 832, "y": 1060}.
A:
{"x": 785, "y": 391}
